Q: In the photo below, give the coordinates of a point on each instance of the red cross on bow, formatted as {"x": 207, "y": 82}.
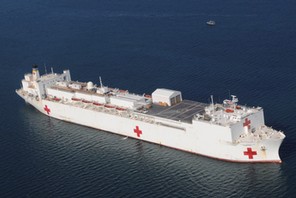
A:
{"x": 46, "y": 109}
{"x": 137, "y": 131}
{"x": 247, "y": 123}
{"x": 250, "y": 153}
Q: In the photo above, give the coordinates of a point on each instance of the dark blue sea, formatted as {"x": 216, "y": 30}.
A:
{"x": 141, "y": 45}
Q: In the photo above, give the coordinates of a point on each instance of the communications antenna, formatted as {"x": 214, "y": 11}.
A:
{"x": 45, "y": 68}
{"x": 101, "y": 84}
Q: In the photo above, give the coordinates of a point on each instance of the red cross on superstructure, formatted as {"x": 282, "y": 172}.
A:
{"x": 250, "y": 153}
{"x": 247, "y": 123}
{"x": 138, "y": 131}
{"x": 46, "y": 109}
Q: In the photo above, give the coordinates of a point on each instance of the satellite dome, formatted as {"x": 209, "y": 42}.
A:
{"x": 90, "y": 85}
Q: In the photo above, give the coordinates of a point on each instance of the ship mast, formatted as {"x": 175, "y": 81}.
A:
{"x": 101, "y": 83}
{"x": 45, "y": 69}
{"x": 212, "y": 103}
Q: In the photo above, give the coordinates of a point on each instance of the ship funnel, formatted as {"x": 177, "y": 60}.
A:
{"x": 35, "y": 72}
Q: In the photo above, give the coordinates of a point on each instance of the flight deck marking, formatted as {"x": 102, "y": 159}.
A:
{"x": 250, "y": 153}
{"x": 137, "y": 131}
{"x": 47, "y": 109}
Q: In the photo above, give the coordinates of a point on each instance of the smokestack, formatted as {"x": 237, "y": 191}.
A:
{"x": 35, "y": 72}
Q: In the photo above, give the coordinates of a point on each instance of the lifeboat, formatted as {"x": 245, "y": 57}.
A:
{"x": 98, "y": 104}
{"x": 109, "y": 106}
{"x": 238, "y": 107}
{"x": 229, "y": 110}
{"x": 147, "y": 96}
{"x": 76, "y": 99}
{"x": 120, "y": 109}
{"x": 56, "y": 99}
{"x": 86, "y": 101}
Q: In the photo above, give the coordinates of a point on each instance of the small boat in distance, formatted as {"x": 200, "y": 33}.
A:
{"x": 211, "y": 23}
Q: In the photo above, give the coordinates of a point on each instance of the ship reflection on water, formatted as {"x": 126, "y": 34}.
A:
{"x": 97, "y": 158}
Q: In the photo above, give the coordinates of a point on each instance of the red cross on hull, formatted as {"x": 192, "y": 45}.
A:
{"x": 247, "y": 123}
{"x": 250, "y": 153}
{"x": 138, "y": 131}
{"x": 47, "y": 109}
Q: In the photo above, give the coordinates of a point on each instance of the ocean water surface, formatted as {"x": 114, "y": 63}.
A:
{"x": 140, "y": 46}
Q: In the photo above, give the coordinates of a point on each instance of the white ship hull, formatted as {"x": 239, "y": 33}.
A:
{"x": 178, "y": 135}
{"x": 224, "y": 131}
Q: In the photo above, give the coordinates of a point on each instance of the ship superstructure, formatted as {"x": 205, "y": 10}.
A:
{"x": 226, "y": 131}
